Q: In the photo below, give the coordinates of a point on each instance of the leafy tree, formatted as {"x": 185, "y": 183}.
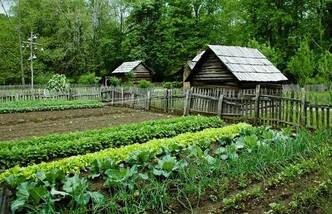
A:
{"x": 325, "y": 66}
{"x": 301, "y": 65}
{"x": 273, "y": 54}
{"x": 81, "y": 36}
{"x": 89, "y": 79}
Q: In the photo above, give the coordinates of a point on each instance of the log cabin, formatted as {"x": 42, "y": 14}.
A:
{"x": 232, "y": 67}
{"x": 135, "y": 70}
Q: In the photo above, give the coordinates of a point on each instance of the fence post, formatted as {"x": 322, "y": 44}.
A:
{"x": 132, "y": 97}
{"x": 71, "y": 97}
{"x": 220, "y": 102}
{"x": 257, "y": 96}
{"x": 303, "y": 113}
{"x": 113, "y": 93}
{"x": 122, "y": 96}
{"x": 166, "y": 101}
{"x": 148, "y": 100}
{"x": 187, "y": 102}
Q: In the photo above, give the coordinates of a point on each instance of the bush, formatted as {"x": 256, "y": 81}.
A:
{"x": 88, "y": 79}
{"x": 58, "y": 83}
{"x": 114, "y": 81}
{"x": 144, "y": 84}
{"x": 168, "y": 85}
{"x": 174, "y": 84}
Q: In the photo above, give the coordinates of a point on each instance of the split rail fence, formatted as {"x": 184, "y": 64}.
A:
{"x": 260, "y": 106}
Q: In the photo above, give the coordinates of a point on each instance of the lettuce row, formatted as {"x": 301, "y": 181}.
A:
{"x": 36, "y": 150}
{"x": 154, "y": 147}
{"x": 47, "y": 105}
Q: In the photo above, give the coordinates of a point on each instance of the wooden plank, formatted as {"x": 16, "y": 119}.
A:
{"x": 220, "y": 105}
{"x": 328, "y": 117}
{"x": 258, "y": 87}
{"x": 317, "y": 117}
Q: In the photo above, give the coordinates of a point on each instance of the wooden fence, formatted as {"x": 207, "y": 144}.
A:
{"x": 39, "y": 94}
{"x": 260, "y": 105}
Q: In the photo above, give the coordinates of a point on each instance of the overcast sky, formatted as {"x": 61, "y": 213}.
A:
{"x": 7, "y": 4}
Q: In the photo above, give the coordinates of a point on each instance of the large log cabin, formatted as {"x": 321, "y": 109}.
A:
{"x": 232, "y": 67}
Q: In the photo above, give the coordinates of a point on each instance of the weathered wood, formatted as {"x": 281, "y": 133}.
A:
{"x": 187, "y": 102}
{"x": 303, "y": 114}
{"x": 258, "y": 87}
{"x": 328, "y": 117}
{"x": 317, "y": 117}
{"x": 220, "y": 105}
{"x": 148, "y": 100}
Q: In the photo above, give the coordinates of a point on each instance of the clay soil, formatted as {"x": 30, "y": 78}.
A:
{"x": 25, "y": 125}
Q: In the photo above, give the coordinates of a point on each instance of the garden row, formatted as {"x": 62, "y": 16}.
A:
{"x": 47, "y": 105}
{"x": 232, "y": 164}
{"x": 36, "y": 150}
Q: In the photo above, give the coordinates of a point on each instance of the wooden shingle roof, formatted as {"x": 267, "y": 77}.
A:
{"x": 246, "y": 64}
{"x": 193, "y": 62}
{"x": 126, "y": 67}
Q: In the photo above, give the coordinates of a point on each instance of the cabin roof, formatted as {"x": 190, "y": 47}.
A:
{"x": 193, "y": 62}
{"x": 127, "y": 67}
{"x": 246, "y": 64}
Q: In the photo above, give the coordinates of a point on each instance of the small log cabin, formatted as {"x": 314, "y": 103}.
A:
{"x": 232, "y": 67}
{"x": 136, "y": 68}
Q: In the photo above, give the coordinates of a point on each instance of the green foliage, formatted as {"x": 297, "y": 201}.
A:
{"x": 273, "y": 54}
{"x": 114, "y": 81}
{"x": 325, "y": 66}
{"x": 42, "y": 194}
{"x": 43, "y": 78}
{"x": 47, "y": 105}
{"x": 98, "y": 35}
{"x": 301, "y": 65}
{"x": 154, "y": 147}
{"x": 24, "y": 152}
{"x": 170, "y": 85}
{"x": 144, "y": 84}
{"x": 155, "y": 175}
{"x": 58, "y": 83}
{"x": 89, "y": 79}
{"x": 167, "y": 165}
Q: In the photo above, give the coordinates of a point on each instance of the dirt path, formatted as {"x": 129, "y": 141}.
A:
{"x": 23, "y": 125}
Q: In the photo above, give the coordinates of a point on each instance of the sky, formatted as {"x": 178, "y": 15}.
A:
{"x": 6, "y": 4}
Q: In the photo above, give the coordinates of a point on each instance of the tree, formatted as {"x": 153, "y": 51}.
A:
{"x": 301, "y": 65}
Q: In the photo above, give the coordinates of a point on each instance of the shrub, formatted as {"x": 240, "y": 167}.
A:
{"x": 88, "y": 79}
{"x": 58, "y": 83}
{"x": 144, "y": 84}
{"x": 168, "y": 85}
{"x": 114, "y": 81}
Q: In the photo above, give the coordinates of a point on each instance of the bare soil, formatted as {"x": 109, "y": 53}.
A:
{"x": 24, "y": 125}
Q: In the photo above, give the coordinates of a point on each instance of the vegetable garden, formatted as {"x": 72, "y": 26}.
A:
{"x": 47, "y": 105}
{"x": 189, "y": 164}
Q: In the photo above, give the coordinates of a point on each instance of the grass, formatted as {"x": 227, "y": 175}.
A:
{"x": 324, "y": 97}
{"x": 47, "y": 105}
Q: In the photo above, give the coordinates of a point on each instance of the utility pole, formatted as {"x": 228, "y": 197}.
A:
{"x": 31, "y": 58}
{"x": 32, "y": 45}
